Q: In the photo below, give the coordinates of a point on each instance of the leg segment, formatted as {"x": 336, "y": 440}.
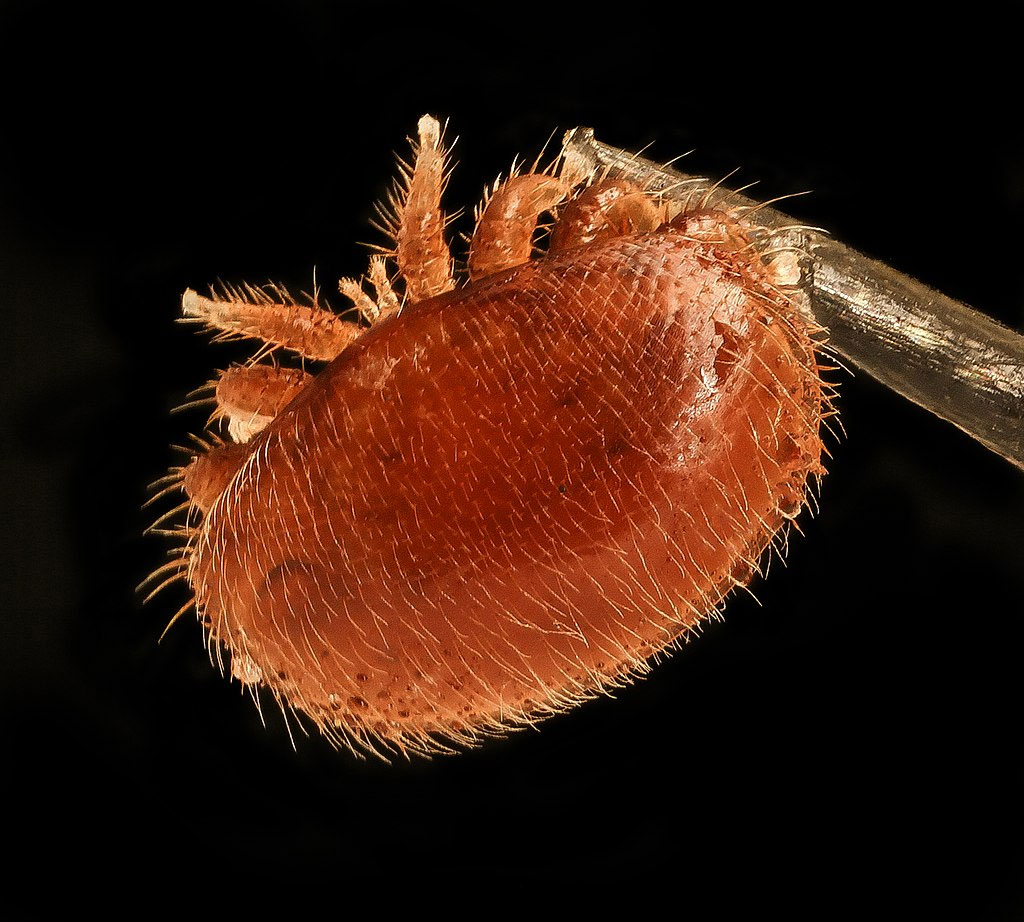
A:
{"x": 250, "y": 397}
{"x": 611, "y": 208}
{"x": 504, "y": 231}
{"x": 730, "y": 230}
{"x": 209, "y": 474}
{"x": 309, "y": 330}
{"x": 387, "y": 301}
{"x": 353, "y": 290}
{"x": 714, "y": 226}
{"x": 417, "y": 221}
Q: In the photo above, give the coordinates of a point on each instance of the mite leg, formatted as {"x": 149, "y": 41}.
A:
{"x": 414, "y": 219}
{"x": 361, "y": 301}
{"x": 714, "y": 226}
{"x": 386, "y": 302}
{"x": 506, "y": 222}
{"x": 208, "y": 474}
{"x": 307, "y": 329}
{"x": 250, "y": 397}
{"x": 606, "y": 209}
{"x": 729, "y": 230}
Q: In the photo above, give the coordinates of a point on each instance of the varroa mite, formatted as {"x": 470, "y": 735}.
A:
{"x": 513, "y": 483}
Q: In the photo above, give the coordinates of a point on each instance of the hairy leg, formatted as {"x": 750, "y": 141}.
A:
{"x": 249, "y": 397}
{"x": 506, "y": 222}
{"x": 273, "y": 317}
{"x": 606, "y": 209}
{"x": 414, "y": 218}
{"x": 386, "y": 302}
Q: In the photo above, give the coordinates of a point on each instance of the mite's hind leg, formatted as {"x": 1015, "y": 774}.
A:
{"x": 715, "y": 226}
{"x": 608, "y": 208}
{"x": 209, "y": 473}
{"x": 507, "y": 220}
{"x": 272, "y": 316}
{"x": 414, "y": 219}
{"x": 728, "y": 229}
{"x": 249, "y": 397}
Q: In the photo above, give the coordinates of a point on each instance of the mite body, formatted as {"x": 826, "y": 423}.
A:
{"x": 504, "y": 496}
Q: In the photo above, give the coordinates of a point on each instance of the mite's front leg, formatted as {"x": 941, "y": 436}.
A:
{"x": 415, "y": 219}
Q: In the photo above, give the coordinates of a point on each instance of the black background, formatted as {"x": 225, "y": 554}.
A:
{"x": 855, "y": 742}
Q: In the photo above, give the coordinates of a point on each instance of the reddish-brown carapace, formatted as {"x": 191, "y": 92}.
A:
{"x": 512, "y": 484}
